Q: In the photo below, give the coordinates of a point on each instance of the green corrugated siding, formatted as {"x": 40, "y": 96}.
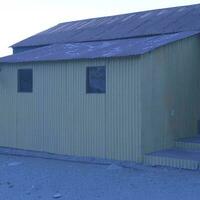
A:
{"x": 170, "y": 94}
{"x": 60, "y": 117}
{"x": 123, "y": 110}
{"x": 171, "y": 162}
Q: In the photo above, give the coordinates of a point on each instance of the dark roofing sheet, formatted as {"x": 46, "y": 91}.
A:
{"x": 162, "y": 21}
{"x": 101, "y": 49}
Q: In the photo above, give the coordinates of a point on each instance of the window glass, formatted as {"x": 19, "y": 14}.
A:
{"x": 25, "y": 80}
{"x": 96, "y": 80}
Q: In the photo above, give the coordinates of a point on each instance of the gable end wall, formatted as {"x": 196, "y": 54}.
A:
{"x": 170, "y": 94}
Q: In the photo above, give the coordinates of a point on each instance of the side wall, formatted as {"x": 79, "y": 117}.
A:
{"x": 170, "y": 94}
{"x": 59, "y": 116}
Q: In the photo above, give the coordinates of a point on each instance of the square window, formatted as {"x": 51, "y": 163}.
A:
{"x": 96, "y": 80}
{"x": 25, "y": 80}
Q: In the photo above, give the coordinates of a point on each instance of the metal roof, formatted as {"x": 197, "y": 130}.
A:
{"x": 100, "y": 49}
{"x": 155, "y": 22}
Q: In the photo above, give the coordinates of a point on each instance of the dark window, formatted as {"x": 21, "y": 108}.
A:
{"x": 25, "y": 80}
{"x": 96, "y": 80}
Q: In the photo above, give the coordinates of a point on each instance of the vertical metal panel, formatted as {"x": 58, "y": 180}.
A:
{"x": 123, "y": 110}
{"x": 59, "y": 116}
{"x": 29, "y": 112}
{"x": 7, "y": 108}
{"x": 170, "y": 94}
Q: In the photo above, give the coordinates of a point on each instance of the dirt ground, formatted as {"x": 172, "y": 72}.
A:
{"x": 25, "y": 178}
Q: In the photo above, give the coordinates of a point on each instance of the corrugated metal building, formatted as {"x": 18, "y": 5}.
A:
{"x": 114, "y": 87}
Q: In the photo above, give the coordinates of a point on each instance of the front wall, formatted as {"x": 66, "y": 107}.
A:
{"x": 59, "y": 116}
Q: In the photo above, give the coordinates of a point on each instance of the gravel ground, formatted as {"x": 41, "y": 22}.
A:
{"x": 24, "y": 178}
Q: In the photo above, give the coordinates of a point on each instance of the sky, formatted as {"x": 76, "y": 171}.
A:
{"x": 20, "y": 19}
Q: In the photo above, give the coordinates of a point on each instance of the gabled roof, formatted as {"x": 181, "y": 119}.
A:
{"x": 140, "y": 24}
{"x": 100, "y": 49}
{"x": 116, "y": 36}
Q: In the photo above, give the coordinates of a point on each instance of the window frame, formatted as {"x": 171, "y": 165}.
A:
{"x": 20, "y": 89}
{"x": 88, "y": 88}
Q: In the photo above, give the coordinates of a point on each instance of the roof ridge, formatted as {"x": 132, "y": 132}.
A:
{"x": 123, "y": 14}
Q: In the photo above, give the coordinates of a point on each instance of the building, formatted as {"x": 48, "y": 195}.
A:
{"x": 118, "y": 87}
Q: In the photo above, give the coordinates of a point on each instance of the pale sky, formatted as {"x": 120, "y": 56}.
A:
{"x": 20, "y": 19}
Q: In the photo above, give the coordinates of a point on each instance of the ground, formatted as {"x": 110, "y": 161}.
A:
{"x": 26, "y": 178}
